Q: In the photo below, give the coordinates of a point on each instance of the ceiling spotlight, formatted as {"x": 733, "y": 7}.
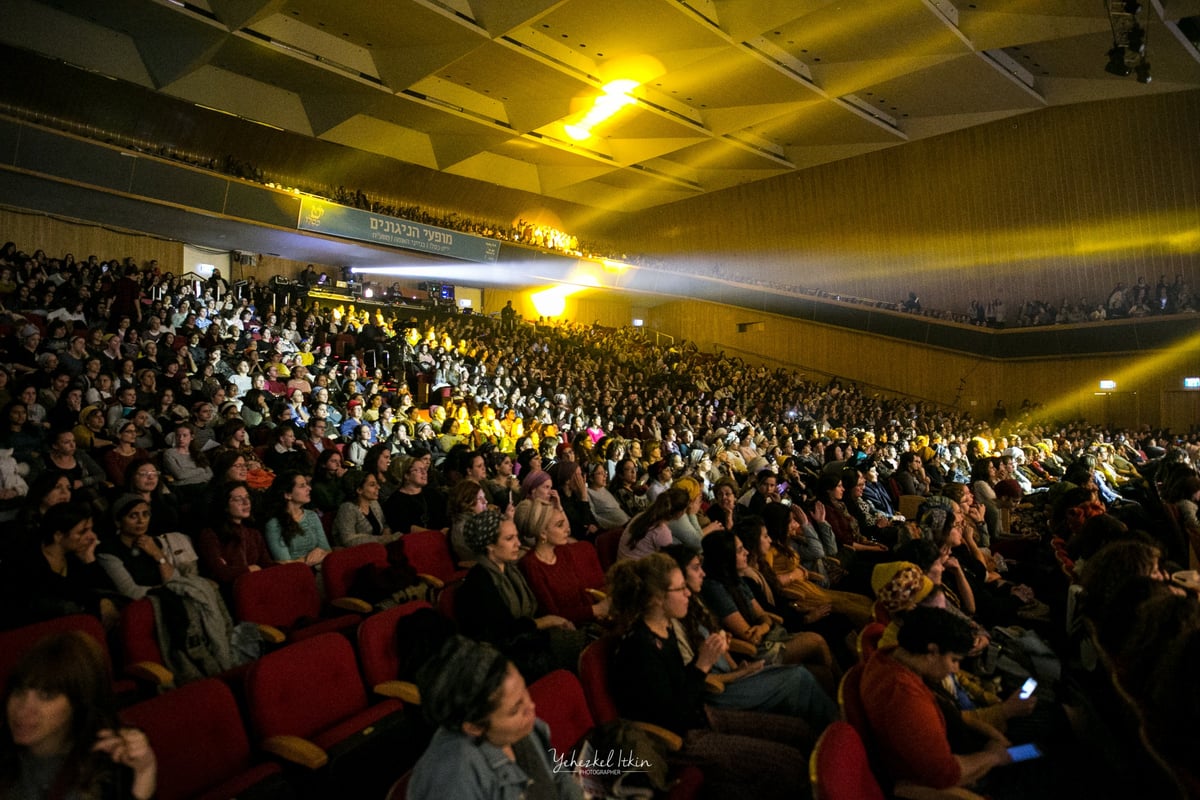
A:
{"x": 1143, "y": 72}
{"x": 1116, "y": 62}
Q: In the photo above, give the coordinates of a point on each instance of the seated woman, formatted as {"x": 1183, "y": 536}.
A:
{"x": 688, "y": 529}
{"x": 811, "y": 612}
{"x": 783, "y": 525}
{"x": 61, "y": 736}
{"x": 294, "y": 532}
{"x": 415, "y": 503}
{"x": 489, "y": 742}
{"x": 557, "y": 572}
{"x": 361, "y": 520}
{"x": 192, "y": 617}
{"x": 467, "y": 499}
{"x": 283, "y": 454}
{"x": 742, "y": 755}
{"x": 832, "y": 493}
{"x": 124, "y": 452}
{"x": 573, "y": 497}
{"x": 143, "y": 479}
{"x": 650, "y": 530}
{"x": 921, "y": 738}
{"x": 377, "y": 462}
{"x": 750, "y": 685}
{"x": 187, "y": 465}
{"x": 329, "y": 482}
{"x": 360, "y": 443}
{"x": 230, "y": 547}
{"x": 50, "y": 489}
{"x": 57, "y": 573}
{"x": 135, "y": 560}
{"x": 496, "y": 605}
{"x": 630, "y": 494}
{"x": 86, "y": 476}
{"x": 502, "y": 485}
{"x": 734, "y": 605}
{"x": 605, "y": 508}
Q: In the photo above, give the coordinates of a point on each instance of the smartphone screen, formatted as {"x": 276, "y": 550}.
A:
{"x": 1028, "y": 687}
{"x": 1024, "y": 752}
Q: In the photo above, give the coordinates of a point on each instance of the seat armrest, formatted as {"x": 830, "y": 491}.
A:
{"x": 432, "y": 581}
{"x": 670, "y": 739}
{"x": 149, "y": 672}
{"x": 271, "y": 634}
{"x": 404, "y": 691}
{"x": 296, "y": 750}
{"x": 352, "y": 604}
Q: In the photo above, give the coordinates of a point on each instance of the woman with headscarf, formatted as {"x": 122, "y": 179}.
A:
{"x": 495, "y": 603}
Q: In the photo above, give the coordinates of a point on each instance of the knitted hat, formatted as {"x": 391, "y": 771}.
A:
{"x": 120, "y": 425}
{"x": 900, "y": 585}
{"x": 482, "y": 530}
{"x": 126, "y": 502}
{"x": 532, "y": 481}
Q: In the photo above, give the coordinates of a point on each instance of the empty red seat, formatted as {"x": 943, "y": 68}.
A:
{"x": 284, "y": 602}
{"x": 378, "y": 651}
{"x": 307, "y": 704}
{"x": 340, "y": 568}
{"x": 201, "y": 745}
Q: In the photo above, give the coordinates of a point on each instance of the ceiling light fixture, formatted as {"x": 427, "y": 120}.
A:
{"x": 616, "y": 96}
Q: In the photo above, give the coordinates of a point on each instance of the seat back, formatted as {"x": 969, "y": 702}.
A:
{"x": 304, "y": 688}
{"x": 868, "y": 640}
{"x": 15, "y": 643}
{"x": 378, "y": 651}
{"x": 909, "y": 504}
{"x": 279, "y": 596}
{"x": 428, "y": 552}
{"x": 446, "y": 600}
{"x": 838, "y": 767}
{"x": 561, "y": 704}
{"x": 593, "y": 676}
{"x": 139, "y": 634}
{"x": 587, "y": 562}
{"x": 607, "y": 544}
{"x": 197, "y": 734}
{"x": 850, "y": 700}
{"x": 341, "y": 566}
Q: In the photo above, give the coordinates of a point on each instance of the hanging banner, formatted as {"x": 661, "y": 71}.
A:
{"x": 321, "y": 216}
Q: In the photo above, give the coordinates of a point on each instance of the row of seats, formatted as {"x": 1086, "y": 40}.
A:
{"x": 329, "y": 718}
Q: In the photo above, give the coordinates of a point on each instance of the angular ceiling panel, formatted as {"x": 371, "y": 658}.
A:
{"x": 384, "y": 138}
{"x": 243, "y": 97}
{"x": 726, "y": 91}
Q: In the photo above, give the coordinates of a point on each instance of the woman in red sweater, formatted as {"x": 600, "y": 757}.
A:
{"x": 559, "y": 572}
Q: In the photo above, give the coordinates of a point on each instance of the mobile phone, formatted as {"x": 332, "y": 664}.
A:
{"x": 1024, "y": 752}
{"x": 1027, "y": 688}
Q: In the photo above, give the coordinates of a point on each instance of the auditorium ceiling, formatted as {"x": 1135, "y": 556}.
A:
{"x": 513, "y": 93}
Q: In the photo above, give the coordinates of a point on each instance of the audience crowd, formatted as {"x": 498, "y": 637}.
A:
{"x": 1137, "y": 300}
{"x": 160, "y": 437}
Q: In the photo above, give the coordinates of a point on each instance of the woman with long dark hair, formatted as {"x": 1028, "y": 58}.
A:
{"x": 231, "y": 546}
{"x": 61, "y": 738}
{"x": 732, "y": 602}
{"x": 652, "y": 680}
{"x": 650, "y": 530}
{"x": 293, "y": 532}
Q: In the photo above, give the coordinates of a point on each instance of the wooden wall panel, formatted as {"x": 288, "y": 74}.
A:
{"x": 32, "y": 231}
{"x": 1061, "y": 203}
{"x": 1066, "y": 388}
